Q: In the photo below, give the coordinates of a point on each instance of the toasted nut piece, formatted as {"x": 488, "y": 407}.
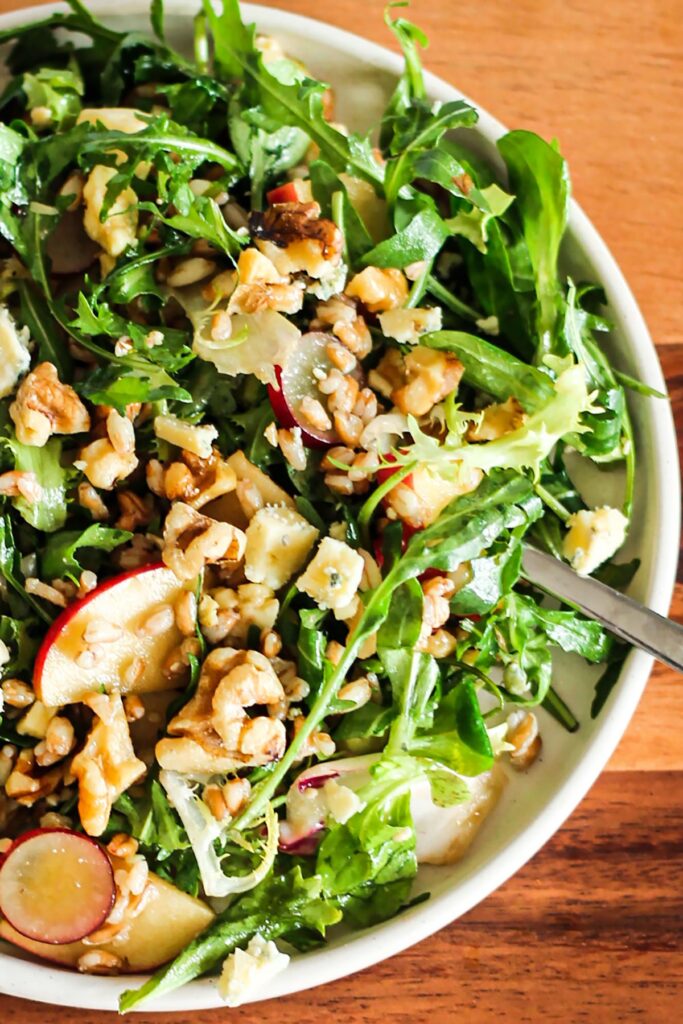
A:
{"x": 295, "y": 237}
{"x": 107, "y": 765}
{"x": 192, "y": 541}
{"x": 430, "y": 376}
{"x": 192, "y": 479}
{"x": 44, "y": 406}
{"x": 135, "y": 511}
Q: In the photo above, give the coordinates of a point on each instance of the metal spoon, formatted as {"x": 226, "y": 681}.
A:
{"x": 626, "y": 618}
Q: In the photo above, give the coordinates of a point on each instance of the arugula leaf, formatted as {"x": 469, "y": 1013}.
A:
{"x": 491, "y": 578}
{"x": 326, "y": 185}
{"x": 403, "y": 624}
{"x": 202, "y": 219}
{"x": 281, "y": 904}
{"x": 418, "y": 128}
{"x": 22, "y": 638}
{"x": 11, "y": 571}
{"x": 58, "y": 90}
{"x": 48, "y": 513}
{"x": 156, "y": 17}
{"x": 410, "y": 85}
{"x": 299, "y": 103}
{"x": 422, "y": 239}
{"x": 311, "y": 646}
{"x": 59, "y": 560}
{"x": 459, "y": 741}
{"x": 493, "y": 370}
{"x": 466, "y": 526}
{"x": 35, "y": 314}
{"x": 368, "y": 864}
{"x": 540, "y": 180}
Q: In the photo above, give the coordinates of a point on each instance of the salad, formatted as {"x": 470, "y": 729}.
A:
{"x": 279, "y": 405}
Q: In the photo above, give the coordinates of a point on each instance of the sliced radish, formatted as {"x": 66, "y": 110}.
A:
{"x": 307, "y": 809}
{"x": 168, "y": 921}
{"x": 129, "y": 658}
{"x": 297, "y": 380}
{"x": 56, "y": 886}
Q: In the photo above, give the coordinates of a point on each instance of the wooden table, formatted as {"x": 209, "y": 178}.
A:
{"x": 592, "y": 929}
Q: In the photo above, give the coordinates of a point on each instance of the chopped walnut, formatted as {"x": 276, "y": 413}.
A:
{"x": 318, "y": 744}
{"x": 436, "y": 609}
{"x": 341, "y": 314}
{"x": 224, "y": 612}
{"x": 27, "y": 782}
{"x": 44, "y": 406}
{"x": 134, "y": 511}
{"x": 107, "y": 765}
{"x": 419, "y": 380}
{"x": 296, "y": 238}
{"x": 192, "y": 479}
{"x": 213, "y": 733}
{"x": 252, "y": 298}
{"x": 192, "y": 541}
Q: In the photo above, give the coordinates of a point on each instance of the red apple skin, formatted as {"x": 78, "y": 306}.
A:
{"x": 286, "y": 193}
{"x": 73, "y": 609}
{"x": 53, "y": 683}
{"x": 93, "y": 924}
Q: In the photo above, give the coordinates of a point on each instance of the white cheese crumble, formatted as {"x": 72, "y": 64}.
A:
{"x": 245, "y": 970}
{"x": 333, "y": 577}
{"x": 406, "y": 325}
{"x": 342, "y": 803}
{"x": 593, "y": 537}
{"x": 14, "y": 355}
{"x": 278, "y": 543}
{"x": 194, "y": 438}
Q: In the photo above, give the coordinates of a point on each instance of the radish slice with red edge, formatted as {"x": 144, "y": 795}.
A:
{"x": 56, "y": 886}
{"x": 298, "y": 379}
{"x": 307, "y": 808}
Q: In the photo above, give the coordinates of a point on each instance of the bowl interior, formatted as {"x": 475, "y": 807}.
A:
{"x": 535, "y": 804}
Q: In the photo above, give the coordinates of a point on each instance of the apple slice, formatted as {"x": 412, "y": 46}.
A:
{"x": 129, "y": 663}
{"x": 56, "y": 886}
{"x": 169, "y": 920}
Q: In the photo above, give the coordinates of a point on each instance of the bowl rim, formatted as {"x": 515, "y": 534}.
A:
{"x": 46, "y": 983}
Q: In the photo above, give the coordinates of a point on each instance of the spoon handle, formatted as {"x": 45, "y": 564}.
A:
{"x": 626, "y": 618}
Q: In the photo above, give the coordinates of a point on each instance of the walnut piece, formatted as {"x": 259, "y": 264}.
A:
{"x": 192, "y": 479}
{"x": 213, "y": 733}
{"x": 192, "y": 541}
{"x": 44, "y": 406}
{"x": 296, "y": 238}
{"x": 107, "y": 765}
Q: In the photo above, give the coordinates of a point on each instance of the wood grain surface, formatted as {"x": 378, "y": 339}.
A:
{"x": 591, "y": 929}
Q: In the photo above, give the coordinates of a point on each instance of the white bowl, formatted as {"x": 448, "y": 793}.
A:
{"x": 535, "y": 804}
